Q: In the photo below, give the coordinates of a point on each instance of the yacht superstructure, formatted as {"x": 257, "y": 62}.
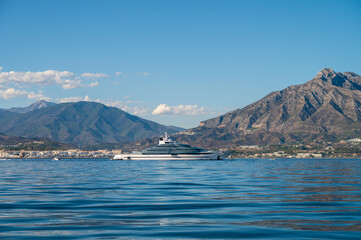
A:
{"x": 167, "y": 149}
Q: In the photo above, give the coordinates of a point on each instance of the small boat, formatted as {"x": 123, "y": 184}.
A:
{"x": 56, "y": 159}
{"x": 167, "y": 149}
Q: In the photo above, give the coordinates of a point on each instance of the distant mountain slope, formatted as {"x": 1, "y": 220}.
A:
{"x": 326, "y": 108}
{"x": 10, "y": 140}
{"x": 37, "y": 105}
{"x": 82, "y": 123}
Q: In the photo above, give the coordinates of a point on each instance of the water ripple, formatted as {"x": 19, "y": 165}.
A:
{"x": 245, "y": 198}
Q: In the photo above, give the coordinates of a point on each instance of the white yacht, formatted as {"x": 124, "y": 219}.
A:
{"x": 167, "y": 149}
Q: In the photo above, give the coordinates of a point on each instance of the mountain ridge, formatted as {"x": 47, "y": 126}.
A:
{"x": 35, "y": 106}
{"x": 11, "y": 140}
{"x": 80, "y": 123}
{"x": 327, "y": 107}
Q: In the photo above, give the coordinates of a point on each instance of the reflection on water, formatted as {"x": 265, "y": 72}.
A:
{"x": 253, "y": 198}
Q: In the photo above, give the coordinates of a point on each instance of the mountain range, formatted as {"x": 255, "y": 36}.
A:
{"x": 79, "y": 123}
{"x": 326, "y": 108}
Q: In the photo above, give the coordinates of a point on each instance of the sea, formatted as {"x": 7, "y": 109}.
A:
{"x": 229, "y": 199}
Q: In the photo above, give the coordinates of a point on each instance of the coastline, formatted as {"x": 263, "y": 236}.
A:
{"x": 226, "y": 159}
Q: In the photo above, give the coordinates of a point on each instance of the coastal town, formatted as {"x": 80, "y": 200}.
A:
{"x": 343, "y": 149}
{"x": 70, "y": 153}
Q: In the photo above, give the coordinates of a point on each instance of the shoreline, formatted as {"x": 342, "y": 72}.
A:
{"x": 229, "y": 159}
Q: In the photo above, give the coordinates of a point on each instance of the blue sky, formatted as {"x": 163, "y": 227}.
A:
{"x": 174, "y": 62}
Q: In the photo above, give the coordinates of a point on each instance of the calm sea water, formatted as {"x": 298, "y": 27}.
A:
{"x": 231, "y": 199}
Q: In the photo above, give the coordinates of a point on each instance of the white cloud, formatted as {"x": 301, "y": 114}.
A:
{"x": 78, "y": 84}
{"x": 94, "y": 75}
{"x": 1, "y": 68}
{"x": 163, "y": 109}
{"x": 70, "y": 84}
{"x": 140, "y": 111}
{"x": 118, "y": 73}
{"x": 12, "y": 93}
{"x": 93, "y": 84}
{"x": 71, "y": 99}
{"x": 66, "y": 79}
{"x": 144, "y": 74}
{"x": 49, "y": 77}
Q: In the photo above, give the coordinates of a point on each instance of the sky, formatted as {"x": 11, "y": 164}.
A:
{"x": 174, "y": 62}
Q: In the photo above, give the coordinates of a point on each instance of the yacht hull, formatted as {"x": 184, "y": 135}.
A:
{"x": 217, "y": 155}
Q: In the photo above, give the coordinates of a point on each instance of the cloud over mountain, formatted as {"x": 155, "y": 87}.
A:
{"x": 164, "y": 109}
{"x": 123, "y": 105}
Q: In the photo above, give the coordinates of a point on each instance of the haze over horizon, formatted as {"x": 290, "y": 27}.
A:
{"x": 176, "y": 63}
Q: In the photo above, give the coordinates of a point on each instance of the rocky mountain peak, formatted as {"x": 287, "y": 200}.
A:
{"x": 41, "y": 104}
{"x": 326, "y": 74}
{"x": 326, "y": 71}
{"x": 35, "y": 106}
{"x": 327, "y": 107}
{"x": 328, "y": 77}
